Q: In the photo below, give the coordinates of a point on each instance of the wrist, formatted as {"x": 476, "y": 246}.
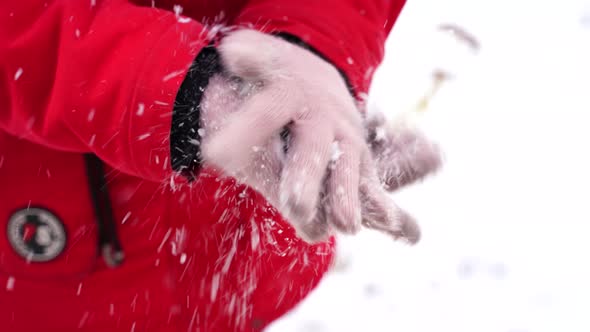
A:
{"x": 185, "y": 146}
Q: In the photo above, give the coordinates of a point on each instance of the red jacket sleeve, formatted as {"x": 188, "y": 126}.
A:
{"x": 95, "y": 76}
{"x": 350, "y": 33}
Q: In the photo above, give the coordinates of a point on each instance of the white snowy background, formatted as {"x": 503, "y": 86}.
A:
{"x": 506, "y": 223}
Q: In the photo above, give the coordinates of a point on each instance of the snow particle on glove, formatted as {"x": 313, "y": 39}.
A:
{"x": 336, "y": 152}
{"x": 380, "y": 134}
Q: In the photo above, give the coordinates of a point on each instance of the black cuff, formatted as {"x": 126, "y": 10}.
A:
{"x": 299, "y": 42}
{"x": 185, "y": 143}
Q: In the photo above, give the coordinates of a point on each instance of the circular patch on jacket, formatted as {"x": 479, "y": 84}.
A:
{"x": 36, "y": 234}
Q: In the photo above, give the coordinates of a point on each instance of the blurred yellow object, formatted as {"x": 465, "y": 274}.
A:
{"x": 442, "y": 75}
{"x": 439, "y": 78}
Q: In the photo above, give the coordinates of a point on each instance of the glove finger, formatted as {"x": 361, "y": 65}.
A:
{"x": 380, "y": 213}
{"x": 220, "y": 99}
{"x": 252, "y": 55}
{"x": 264, "y": 172}
{"x": 319, "y": 229}
{"x": 344, "y": 210}
{"x": 385, "y": 216}
{"x": 403, "y": 156}
{"x": 375, "y": 123}
{"x": 304, "y": 172}
{"x": 261, "y": 117}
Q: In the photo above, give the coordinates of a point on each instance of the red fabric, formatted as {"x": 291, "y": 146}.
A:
{"x": 101, "y": 77}
{"x": 351, "y": 33}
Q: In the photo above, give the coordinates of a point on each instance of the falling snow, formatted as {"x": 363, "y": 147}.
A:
{"x": 10, "y": 283}
{"x": 214, "y": 286}
{"x": 491, "y": 258}
{"x": 164, "y": 240}
{"x": 126, "y": 217}
{"x": 144, "y": 136}
{"x": 91, "y": 114}
{"x": 177, "y": 10}
{"x": 434, "y": 284}
{"x": 140, "y": 109}
{"x": 255, "y": 240}
{"x": 83, "y": 320}
{"x": 230, "y": 256}
{"x": 18, "y": 74}
{"x": 172, "y": 75}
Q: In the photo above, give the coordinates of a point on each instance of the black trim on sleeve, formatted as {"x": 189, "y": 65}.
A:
{"x": 185, "y": 147}
{"x": 299, "y": 42}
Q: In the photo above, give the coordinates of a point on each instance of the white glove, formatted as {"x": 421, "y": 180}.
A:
{"x": 327, "y": 177}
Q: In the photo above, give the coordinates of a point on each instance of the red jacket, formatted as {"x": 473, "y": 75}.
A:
{"x": 88, "y": 77}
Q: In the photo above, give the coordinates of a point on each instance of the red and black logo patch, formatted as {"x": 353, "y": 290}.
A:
{"x": 36, "y": 234}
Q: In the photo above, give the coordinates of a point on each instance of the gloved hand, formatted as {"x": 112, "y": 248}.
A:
{"x": 402, "y": 155}
{"x": 402, "y": 152}
{"x": 325, "y": 176}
